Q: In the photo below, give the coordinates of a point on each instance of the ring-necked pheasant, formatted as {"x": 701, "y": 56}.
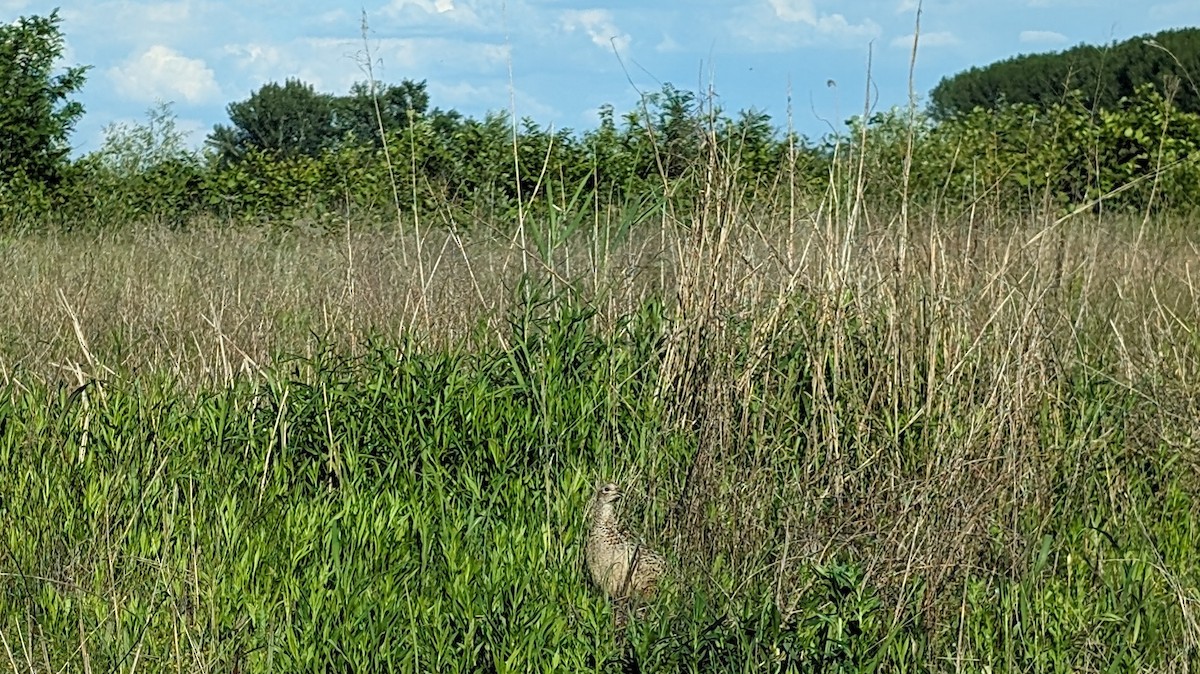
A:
{"x": 621, "y": 566}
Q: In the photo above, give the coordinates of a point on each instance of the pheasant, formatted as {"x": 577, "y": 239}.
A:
{"x": 622, "y": 567}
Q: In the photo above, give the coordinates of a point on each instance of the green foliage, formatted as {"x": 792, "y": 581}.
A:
{"x": 292, "y": 119}
{"x": 1169, "y": 61}
{"x": 36, "y": 115}
{"x": 883, "y": 143}
{"x": 142, "y": 173}
{"x": 291, "y": 153}
{"x": 288, "y": 120}
{"x": 367, "y": 115}
{"x": 1099, "y": 613}
{"x": 750, "y": 143}
{"x": 1071, "y": 156}
{"x": 265, "y": 187}
{"x": 437, "y": 159}
{"x": 1138, "y": 156}
{"x": 674, "y": 133}
{"x": 400, "y": 506}
{"x": 1096, "y": 590}
{"x": 418, "y": 509}
{"x": 840, "y": 626}
{"x": 353, "y": 514}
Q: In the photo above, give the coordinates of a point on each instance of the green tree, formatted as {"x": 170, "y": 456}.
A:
{"x": 750, "y": 144}
{"x": 356, "y": 118}
{"x": 677, "y": 129}
{"x": 289, "y": 120}
{"x": 1169, "y": 61}
{"x": 36, "y": 116}
{"x": 142, "y": 172}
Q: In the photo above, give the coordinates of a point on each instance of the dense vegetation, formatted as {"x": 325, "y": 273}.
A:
{"x": 35, "y": 116}
{"x": 1168, "y": 61}
{"x": 290, "y": 154}
{"x": 920, "y": 398}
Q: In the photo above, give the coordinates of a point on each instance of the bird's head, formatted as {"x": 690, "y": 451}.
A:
{"x": 608, "y": 494}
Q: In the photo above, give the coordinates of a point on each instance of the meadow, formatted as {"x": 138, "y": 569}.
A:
{"x": 866, "y": 440}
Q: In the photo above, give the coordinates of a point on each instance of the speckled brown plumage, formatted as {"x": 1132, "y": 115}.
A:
{"x": 619, "y": 565}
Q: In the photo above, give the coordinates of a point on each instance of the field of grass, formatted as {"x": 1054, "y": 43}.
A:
{"x": 863, "y": 444}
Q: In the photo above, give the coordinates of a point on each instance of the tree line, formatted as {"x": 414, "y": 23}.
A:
{"x": 1100, "y": 75}
{"x": 290, "y": 153}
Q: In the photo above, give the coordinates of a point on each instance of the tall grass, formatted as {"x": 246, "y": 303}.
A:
{"x": 960, "y": 445}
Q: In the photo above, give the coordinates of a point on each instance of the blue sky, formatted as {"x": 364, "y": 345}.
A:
{"x": 566, "y": 58}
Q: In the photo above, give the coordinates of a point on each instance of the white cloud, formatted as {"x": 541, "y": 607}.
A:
{"x": 333, "y": 17}
{"x": 255, "y": 55}
{"x": 138, "y": 25}
{"x": 423, "y": 11}
{"x": 163, "y": 73}
{"x": 667, "y": 45}
{"x": 942, "y": 38}
{"x": 430, "y": 6}
{"x": 599, "y": 25}
{"x": 836, "y": 26}
{"x": 1182, "y": 11}
{"x": 905, "y": 6}
{"x": 494, "y": 96}
{"x": 801, "y": 11}
{"x": 165, "y": 12}
{"x": 779, "y": 25}
{"x": 1042, "y": 37}
{"x": 334, "y": 64}
{"x": 408, "y": 55}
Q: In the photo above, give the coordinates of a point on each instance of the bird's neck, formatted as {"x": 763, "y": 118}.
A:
{"x": 605, "y": 514}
